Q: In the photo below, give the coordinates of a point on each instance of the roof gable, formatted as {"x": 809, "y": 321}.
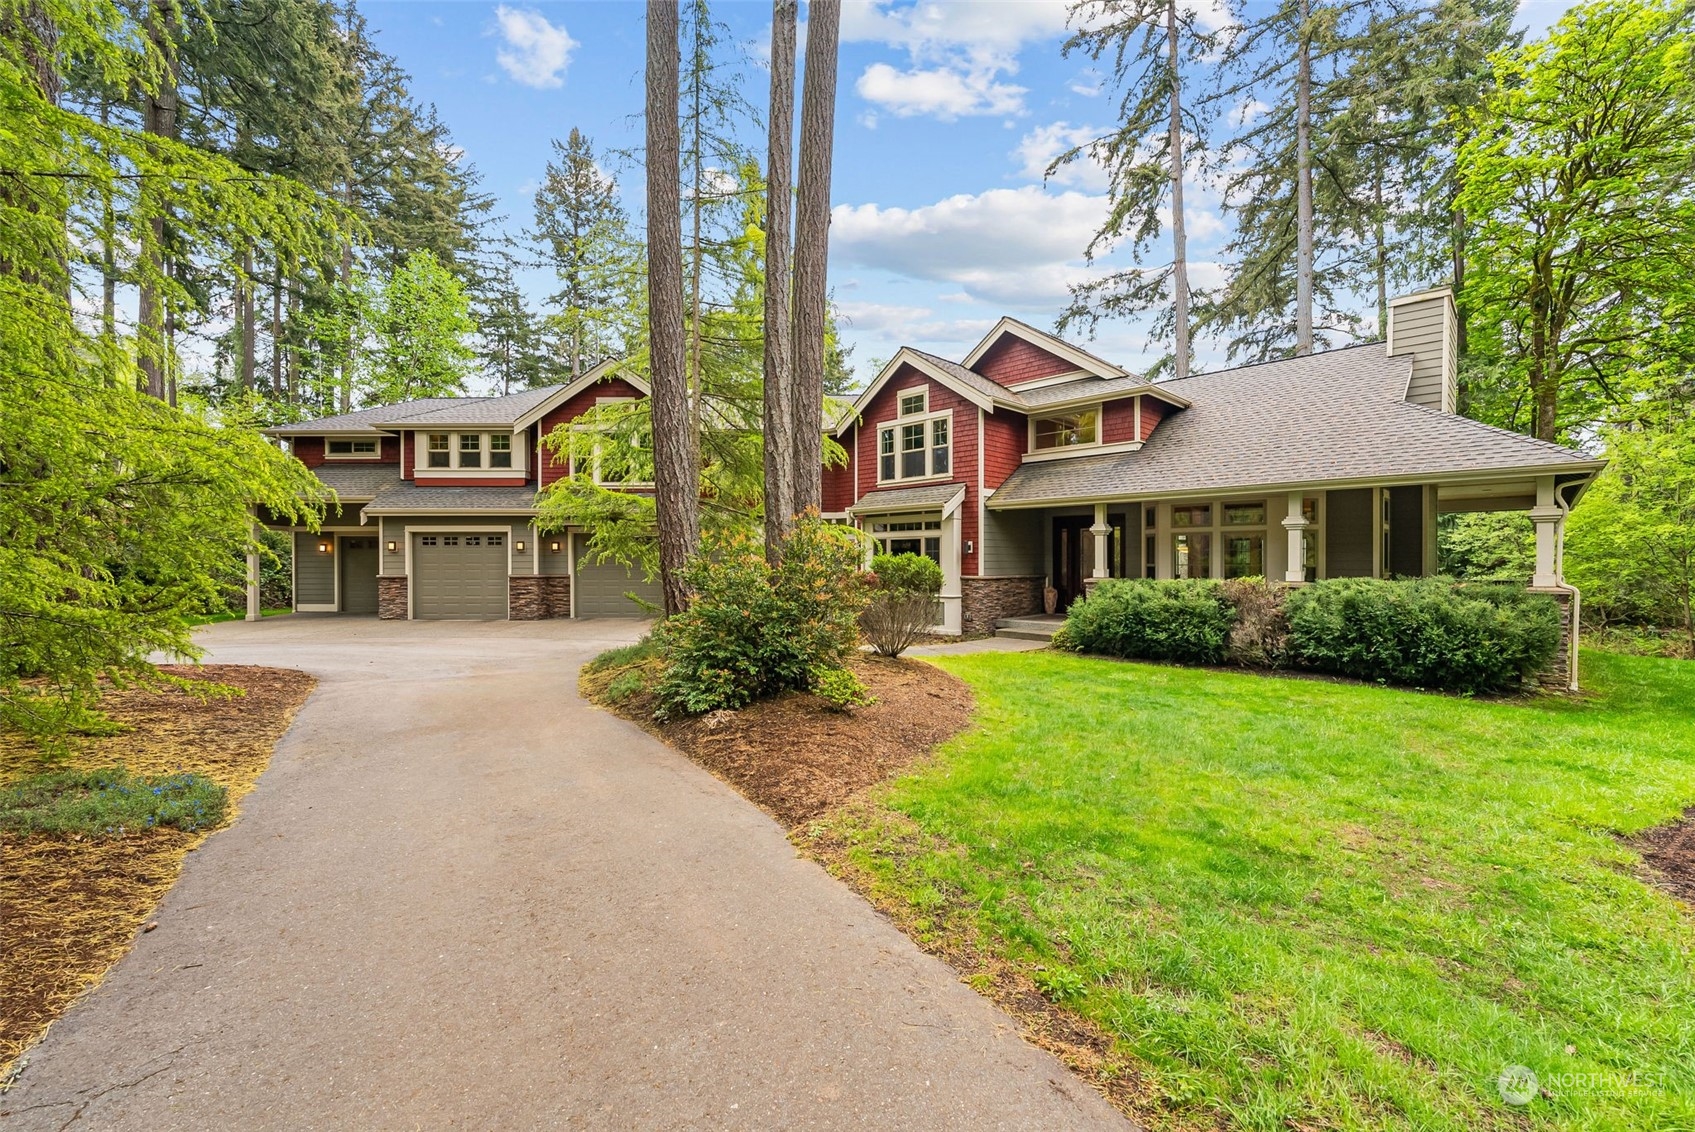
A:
{"x": 1061, "y": 351}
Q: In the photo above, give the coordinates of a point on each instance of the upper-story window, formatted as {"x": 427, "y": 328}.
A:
{"x": 469, "y": 451}
{"x": 351, "y": 448}
{"x": 915, "y": 403}
{"x": 915, "y": 449}
{"x": 1064, "y": 430}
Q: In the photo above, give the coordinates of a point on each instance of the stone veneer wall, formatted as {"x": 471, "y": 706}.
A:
{"x": 391, "y": 598}
{"x": 1558, "y": 676}
{"x": 539, "y": 597}
{"x": 983, "y": 601}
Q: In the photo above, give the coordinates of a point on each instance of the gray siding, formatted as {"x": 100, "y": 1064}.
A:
{"x": 554, "y": 565}
{"x": 1406, "y": 532}
{"x": 1012, "y": 544}
{"x": 1348, "y": 531}
{"x": 1421, "y": 329}
{"x": 314, "y": 573}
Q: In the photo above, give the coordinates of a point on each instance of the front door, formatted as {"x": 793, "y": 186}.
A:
{"x": 358, "y": 575}
{"x": 1074, "y": 554}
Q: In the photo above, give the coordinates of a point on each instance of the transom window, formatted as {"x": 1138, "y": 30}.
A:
{"x": 925, "y": 449}
{"x": 353, "y": 447}
{"x": 1065, "y": 430}
{"x": 915, "y": 404}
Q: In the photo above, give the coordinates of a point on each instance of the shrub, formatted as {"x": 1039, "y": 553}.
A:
{"x": 1188, "y": 621}
{"x": 841, "y": 689}
{"x": 110, "y": 802}
{"x": 1426, "y": 632}
{"x": 1260, "y": 636}
{"x": 753, "y": 631}
{"x": 903, "y": 603}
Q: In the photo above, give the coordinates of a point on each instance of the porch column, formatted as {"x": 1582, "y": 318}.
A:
{"x": 1102, "y": 530}
{"x": 1295, "y": 522}
{"x": 1549, "y": 519}
{"x": 253, "y": 575}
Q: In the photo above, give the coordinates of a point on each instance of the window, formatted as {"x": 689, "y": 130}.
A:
{"x": 497, "y": 540}
{"x": 914, "y": 404}
{"x": 473, "y": 540}
{"x": 1237, "y": 530}
{"x": 427, "y": 540}
{"x": 886, "y": 454}
{"x": 939, "y": 450}
{"x": 1244, "y": 514}
{"x": 1192, "y": 516}
{"x": 909, "y": 536}
{"x": 911, "y": 451}
{"x": 470, "y": 450}
{"x": 352, "y": 448}
{"x": 924, "y": 448}
{"x": 1064, "y": 431}
{"x": 1191, "y": 555}
{"x": 499, "y": 450}
{"x": 440, "y": 457}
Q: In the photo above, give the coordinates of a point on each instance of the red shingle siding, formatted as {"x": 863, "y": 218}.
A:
{"x": 309, "y": 450}
{"x": 838, "y": 481}
{"x": 1005, "y": 436}
{"x": 1118, "y": 421}
{"x": 390, "y": 450}
{"x": 1152, "y": 413}
{"x": 885, "y": 407}
{"x": 1012, "y": 360}
{"x": 552, "y": 469}
{"x": 407, "y": 446}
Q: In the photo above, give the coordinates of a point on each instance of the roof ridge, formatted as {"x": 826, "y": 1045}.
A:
{"x": 1275, "y": 362}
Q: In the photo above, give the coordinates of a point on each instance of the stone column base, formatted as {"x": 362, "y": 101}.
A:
{"x": 391, "y": 598}
{"x": 1561, "y": 673}
{"x": 539, "y": 598}
{"x": 983, "y": 601}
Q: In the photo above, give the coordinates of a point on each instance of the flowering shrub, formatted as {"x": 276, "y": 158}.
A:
{"x": 752, "y": 630}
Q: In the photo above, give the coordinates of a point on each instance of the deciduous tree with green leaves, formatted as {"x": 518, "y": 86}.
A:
{"x": 421, "y": 324}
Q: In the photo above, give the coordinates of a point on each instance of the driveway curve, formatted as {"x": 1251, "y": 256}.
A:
{"x": 462, "y": 898}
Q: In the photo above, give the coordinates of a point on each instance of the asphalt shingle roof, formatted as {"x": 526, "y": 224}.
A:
{"x": 1339, "y": 415}
{"x": 366, "y": 420}
{"x": 898, "y": 498}
{"x": 352, "y": 481}
{"x": 480, "y": 410}
{"x": 1083, "y": 387}
{"x": 451, "y": 500}
{"x": 975, "y": 380}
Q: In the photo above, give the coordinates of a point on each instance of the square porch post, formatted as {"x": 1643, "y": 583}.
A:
{"x": 1102, "y": 530}
{"x": 1295, "y": 523}
{"x": 1549, "y": 518}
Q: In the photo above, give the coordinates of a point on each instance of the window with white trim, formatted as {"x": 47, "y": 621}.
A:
{"x": 350, "y": 448}
{"x": 909, "y": 536}
{"x": 1065, "y": 430}
{"x": 470, "y": 450}
{"x": 915, "y": 449}
{"x": 499, "y": 450}
{"x": 441, "y": 456}
{"x": 915, "y": 403}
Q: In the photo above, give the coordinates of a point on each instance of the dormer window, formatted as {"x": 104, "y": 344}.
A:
{"x": 440, "y": 455}
{"x": 470, "y": 450}
{"x": 351, "y": 448}
{"x": 1065, "y": 430}
{"x": 915, "y": 403}
{"x": 499, "y": 450}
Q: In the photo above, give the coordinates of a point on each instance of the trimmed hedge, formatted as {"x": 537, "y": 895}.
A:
{"x": 1423, "y": 632}
{"x": 1186, "y": 621}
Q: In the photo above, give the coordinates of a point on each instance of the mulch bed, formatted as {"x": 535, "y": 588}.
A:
{"x": 795, "y": 757}
{"x": 1669, "y": 853}
{"x": 71, "y": 906}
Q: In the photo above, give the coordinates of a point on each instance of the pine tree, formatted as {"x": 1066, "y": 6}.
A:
{"x": 812, "y": 245}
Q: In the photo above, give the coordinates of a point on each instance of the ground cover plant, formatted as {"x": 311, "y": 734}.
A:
{"x": 82, "y": 867}
{"x": 1298, "y": 904}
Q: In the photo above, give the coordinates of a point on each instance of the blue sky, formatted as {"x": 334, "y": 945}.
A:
{"x": 946, "y": 115}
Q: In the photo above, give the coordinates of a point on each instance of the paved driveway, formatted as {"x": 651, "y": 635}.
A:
{"x": 461, "y": 898}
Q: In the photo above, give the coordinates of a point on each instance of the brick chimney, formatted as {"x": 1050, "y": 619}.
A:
{"x": 1426, "y": 327}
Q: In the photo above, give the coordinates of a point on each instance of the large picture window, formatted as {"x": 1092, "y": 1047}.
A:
{"x": 1235, "y": 532}
{"x": 1065, "y": 430}
{"x": 915, "y": 449}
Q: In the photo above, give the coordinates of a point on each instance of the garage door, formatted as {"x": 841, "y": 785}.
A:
{"x": 601, "y": 587}
{"x": 459, "y": 577}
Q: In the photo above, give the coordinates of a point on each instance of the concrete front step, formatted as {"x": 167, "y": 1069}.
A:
{"x": 1028, "y": 628}
{"x": 1025, "y": 634}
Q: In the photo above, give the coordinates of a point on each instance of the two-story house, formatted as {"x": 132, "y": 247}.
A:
{"x": 438, "y": 505}
{"x": 1030, "y": 461}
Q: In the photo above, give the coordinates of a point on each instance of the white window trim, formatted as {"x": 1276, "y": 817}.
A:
{"x": 375, "y": 455}
{"x": 912, "y": 391}
{"x": 595, "y": 471}
{"x": 421, "y": 455}
{"x": 1095, "y": 445}
{"x": 929, "y": 448}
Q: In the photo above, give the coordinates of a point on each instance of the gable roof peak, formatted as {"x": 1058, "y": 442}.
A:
{"x": 1042, "y": 340}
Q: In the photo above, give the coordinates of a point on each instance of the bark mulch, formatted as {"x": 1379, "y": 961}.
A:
{"x": 71, "y": 906}
{"x": 1669, "y": 853}
{"x": 797, "y": 758}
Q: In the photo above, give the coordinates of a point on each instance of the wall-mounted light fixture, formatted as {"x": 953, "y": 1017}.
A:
{"x": 391, "y": 545}
{"x": 518, "y": 546}
{"x": 323, "y": 546}
{"x": 553, "y": 547}
{"x": 969, "y": 546}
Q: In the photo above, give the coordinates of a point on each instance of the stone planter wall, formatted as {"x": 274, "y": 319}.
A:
{"x": 391, "y": 598}
{"x": 539, "y": 598}
{"x": 1558, "y": 676}
{"x": 983, "y": 601}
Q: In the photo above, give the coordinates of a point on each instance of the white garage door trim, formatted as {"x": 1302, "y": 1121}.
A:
{"x": 454, "y": 529}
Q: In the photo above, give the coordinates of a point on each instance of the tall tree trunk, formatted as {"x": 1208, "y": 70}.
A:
{"x": 697, "y": 179}
{"x": 779, "y": 359}
{"x": 159, "y": 119}
{"x": 676, "y": 474}
{"x": 1380, "y": 262}
{"x": 108, "y": 251}
{"x": 245, "y": 297}
{"x": 1179, "y": 232}
{"x": 812, "y": 248}
{"x": 346, "y": 382}
{"x": 276, "y": 333}
{"x": 1303, "y": 183}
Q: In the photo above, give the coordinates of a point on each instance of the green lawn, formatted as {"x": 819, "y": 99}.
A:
{"x": 215, "y": 618}
{"x": 1305, "y": 905}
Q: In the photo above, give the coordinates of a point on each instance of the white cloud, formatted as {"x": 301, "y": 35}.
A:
{"x": 901, "y": 326}
{"x": 536, "y": 52}
{"x": 1246, "y": 111}
{"x": 1040, "y": 146}
{"x": 942, "y": 92}
{"x": 1019, "y": 248}
{"x": 1089, "y": 83}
